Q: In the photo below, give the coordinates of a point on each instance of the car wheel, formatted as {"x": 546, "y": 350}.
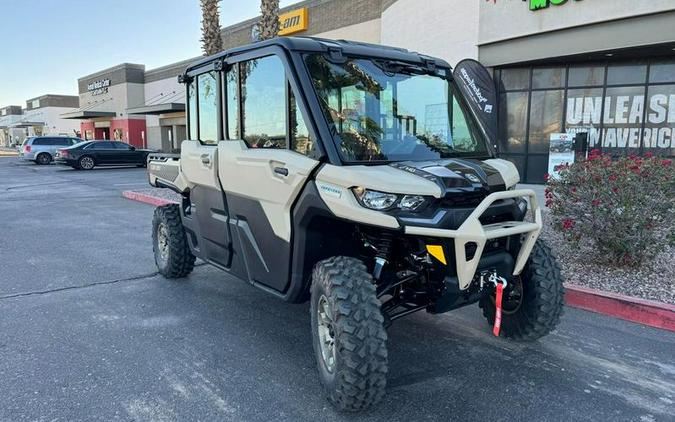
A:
{"x": 43, "y": 158}
{"x": 169, "y": 243}
{"x": 348, "y": 333}
{"x": 533, "y": 302}
{"x": 86, "y": 163}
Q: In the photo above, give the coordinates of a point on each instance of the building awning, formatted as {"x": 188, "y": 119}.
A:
{"x": 25, "y": 123}
{"x": 87, "y": 114}
{"x": 157, "y": 108}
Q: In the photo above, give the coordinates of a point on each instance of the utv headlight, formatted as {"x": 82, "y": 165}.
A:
{"x": 375, "y": 200}
{"x": 382, "y": 201}
{"x": 411, "y": 202}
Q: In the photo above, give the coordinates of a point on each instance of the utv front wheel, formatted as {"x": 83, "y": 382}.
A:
{"x": 533, "y": 304}
{"x": 348, "y": 333}
{"x": 169, "y": 243}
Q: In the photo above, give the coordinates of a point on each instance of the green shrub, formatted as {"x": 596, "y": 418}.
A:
{"x": 623, "y": 208}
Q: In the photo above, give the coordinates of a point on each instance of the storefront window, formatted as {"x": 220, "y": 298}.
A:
{"x": 548, "y": 78}
{"x": 626, "y": 74}
{"x": 613, "y": 103}
{"x": 662, "y": 71}
{"x": 513, "y": 122}
{"x": 659, "y": 132}
{"x": 584, "y": 113}
{"x": 586, "y": 76}
{"x": 513, "y": 79}
{"x": 622, "y": 119}
{"x": 545, "y": 119}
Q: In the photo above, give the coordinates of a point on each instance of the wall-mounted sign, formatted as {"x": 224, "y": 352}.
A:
{"x": 543, "y": 4}
{"x": 99, "y": 87}
{"x": 293, "y": 21}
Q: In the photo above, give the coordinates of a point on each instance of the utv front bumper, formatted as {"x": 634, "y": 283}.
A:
{"x": 473, "y": 231}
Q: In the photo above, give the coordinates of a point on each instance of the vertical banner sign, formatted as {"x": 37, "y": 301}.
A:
{"x": 477, "y": 87}
{"x": 560, "y": 151}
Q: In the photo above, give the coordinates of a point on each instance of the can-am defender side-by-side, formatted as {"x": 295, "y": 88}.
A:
{"x": 360, "y": 178}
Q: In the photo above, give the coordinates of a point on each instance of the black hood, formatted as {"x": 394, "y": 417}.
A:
{"x": 457, "y": 176}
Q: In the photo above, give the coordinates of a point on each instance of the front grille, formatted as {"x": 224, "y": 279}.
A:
{"x": 464, "y": 199}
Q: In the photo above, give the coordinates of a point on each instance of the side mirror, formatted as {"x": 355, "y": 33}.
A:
{"x": 131, "y": 147}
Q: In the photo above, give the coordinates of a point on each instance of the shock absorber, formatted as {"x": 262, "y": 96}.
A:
{"x": 382, "y": 246}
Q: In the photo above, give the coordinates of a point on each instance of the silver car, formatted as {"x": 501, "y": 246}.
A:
{"x": 42, "y": 149}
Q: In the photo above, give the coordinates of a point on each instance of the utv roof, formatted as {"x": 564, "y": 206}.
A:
{"x": 322, "y": 45}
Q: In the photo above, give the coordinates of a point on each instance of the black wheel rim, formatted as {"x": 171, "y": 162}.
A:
{"x": 513, "y": 297}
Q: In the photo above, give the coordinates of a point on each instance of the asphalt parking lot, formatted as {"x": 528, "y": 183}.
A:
{"x": 88, "y": 331}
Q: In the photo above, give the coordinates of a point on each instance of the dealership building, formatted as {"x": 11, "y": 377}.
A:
{"x": 601, "y": 67}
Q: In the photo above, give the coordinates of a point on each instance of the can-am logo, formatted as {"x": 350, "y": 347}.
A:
{"x": 543, "y": 4}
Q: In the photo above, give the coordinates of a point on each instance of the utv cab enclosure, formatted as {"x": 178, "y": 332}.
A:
{"x": 359, "y": 177}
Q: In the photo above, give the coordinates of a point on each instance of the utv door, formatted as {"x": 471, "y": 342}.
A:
{"x": 207, "y": 216}
{"x": 261, "y": 175}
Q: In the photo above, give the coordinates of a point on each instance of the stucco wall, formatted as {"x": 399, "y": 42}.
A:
{"x": 54, "y": 124}
{"x": 508, "y": 19}
{"x": 442, "y": 28}
{"x": 363, "y": 32}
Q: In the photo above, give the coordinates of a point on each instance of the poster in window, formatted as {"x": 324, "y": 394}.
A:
{"x": 561, "y": 151}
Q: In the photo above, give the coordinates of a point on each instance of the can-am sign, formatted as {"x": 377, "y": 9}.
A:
{"x": 293, "y": 21}
{"x": 543, "y": 4}
{"x": 98, "y": 87}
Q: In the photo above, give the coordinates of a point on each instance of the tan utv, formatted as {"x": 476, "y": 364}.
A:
{"x": 363, "y": 179}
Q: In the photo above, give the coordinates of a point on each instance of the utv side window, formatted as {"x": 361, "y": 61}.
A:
{"x": 207, "y": 93}
{"x": 232, "y": 105}
{"x": 192, "y": 109}
{"x": 263, "y": 95}
{"x": 300, "y": 139}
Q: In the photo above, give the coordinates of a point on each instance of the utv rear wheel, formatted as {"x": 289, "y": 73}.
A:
{"x": 348, "y": 333}
{"x": 169, "y": 243}
{"x": 534, "y": 304}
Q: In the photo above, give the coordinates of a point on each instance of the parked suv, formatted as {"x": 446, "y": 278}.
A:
{"x": 41, "y": 149}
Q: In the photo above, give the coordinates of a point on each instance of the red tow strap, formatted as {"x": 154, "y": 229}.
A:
{"x": 498, "y": 310}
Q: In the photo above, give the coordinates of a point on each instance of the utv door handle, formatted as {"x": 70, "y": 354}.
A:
{"x": 206, "y": 160}
{"x": 283, "y": 171}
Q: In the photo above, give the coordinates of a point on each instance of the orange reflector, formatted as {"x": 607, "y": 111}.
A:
{"x": 437, "y": 252}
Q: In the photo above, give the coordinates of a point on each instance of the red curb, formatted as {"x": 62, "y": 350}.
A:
{"x": 147, "y": 199}
{"x": 647, "y": 312}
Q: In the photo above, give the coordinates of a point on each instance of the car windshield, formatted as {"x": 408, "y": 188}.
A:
{"x": 393, "y": 111}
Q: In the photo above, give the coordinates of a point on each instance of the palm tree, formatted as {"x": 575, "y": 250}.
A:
{"x": 268, "y": 26}
{"x": 212, "y": 43}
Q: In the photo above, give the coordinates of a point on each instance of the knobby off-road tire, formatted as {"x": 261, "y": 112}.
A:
{"x": 542, "y": 299}
{"x": 169, "y": 243}
{"x": 356, "y": 377}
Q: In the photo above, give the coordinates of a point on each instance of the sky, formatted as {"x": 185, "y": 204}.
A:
{"x": 46, "y": 45}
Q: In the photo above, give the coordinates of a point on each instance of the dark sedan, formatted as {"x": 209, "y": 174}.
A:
{"x": 88, "y": 154}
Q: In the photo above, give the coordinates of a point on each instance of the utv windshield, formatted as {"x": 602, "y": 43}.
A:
{"x": 393, "y": 111}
